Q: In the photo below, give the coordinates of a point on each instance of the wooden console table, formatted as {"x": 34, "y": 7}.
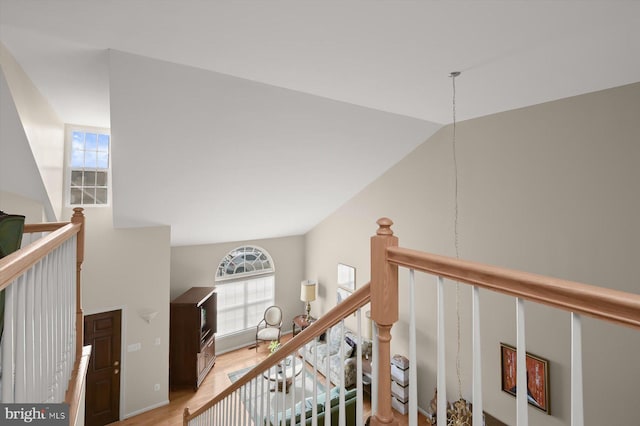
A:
{"x": 300, "y": 323}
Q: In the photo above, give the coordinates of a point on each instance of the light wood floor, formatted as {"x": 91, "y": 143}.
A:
{"x": 216, "y": 381}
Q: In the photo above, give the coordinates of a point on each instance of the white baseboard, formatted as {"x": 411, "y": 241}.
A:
{"x": 144, "y": 410}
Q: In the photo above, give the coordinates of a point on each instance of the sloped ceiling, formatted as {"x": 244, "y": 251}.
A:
{"x": 19, "y": 172}
{"x": 238, "y": 120}
{"x": 238, "y": 159}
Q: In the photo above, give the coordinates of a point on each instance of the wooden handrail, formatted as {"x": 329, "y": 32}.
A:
{"x": 77, "y": 385}
{"x": 605, "y": 304}
{"x": 16, "y": 263}
{"x": 30, "y": 228}
{"x": 352, "y": 303}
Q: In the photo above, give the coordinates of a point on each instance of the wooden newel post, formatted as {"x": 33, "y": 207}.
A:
{"x": 78, "y": 218}
{"x": 185, "y": 416}
{"x": 384, "y": 312}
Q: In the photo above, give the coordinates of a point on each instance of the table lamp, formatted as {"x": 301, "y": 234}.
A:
{"x": 308, "y": 294}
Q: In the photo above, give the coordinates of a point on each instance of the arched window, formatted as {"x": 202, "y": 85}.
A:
{"x": 244, "y": 261}
{"x": 245, "y": 283}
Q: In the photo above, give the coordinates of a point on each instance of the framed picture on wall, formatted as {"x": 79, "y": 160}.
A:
{"x": 537, "y": 377}
{"x": 347, "y": 277}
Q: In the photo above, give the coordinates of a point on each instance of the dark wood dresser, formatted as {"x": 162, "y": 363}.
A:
{"x": 192, "y": 337}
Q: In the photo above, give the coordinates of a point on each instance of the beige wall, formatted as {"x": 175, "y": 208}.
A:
{"x": 32, "y": 211}
{"x": 128, "y": 269}
{"x": 193, "y": 266}
{"x": 551, "y": 189}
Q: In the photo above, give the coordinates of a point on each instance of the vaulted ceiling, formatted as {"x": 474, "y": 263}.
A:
{"x": 246, "y": 120}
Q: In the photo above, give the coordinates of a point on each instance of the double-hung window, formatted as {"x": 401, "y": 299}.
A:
{"x": 89, "y": 166}
{"x": 245, "y": 283}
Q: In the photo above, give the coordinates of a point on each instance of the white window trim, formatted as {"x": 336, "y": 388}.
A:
{"x": 68, "y": 131}
{"x": 240, "y": 275}
{"x": 244, "y": 277}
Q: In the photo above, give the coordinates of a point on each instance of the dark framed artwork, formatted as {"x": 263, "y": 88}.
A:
{"x": 537, "y": 377}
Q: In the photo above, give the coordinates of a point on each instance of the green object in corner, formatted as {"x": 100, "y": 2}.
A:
{"x": 11, "y": 229}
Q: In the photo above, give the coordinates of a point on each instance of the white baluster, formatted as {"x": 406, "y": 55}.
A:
{"x": 477, "y": 360}
{"x": 341, "y": 411}
{"x": 577, "y": 407}
{"x": 247, "y": 404}
{"x": 29, "y": 338}
{"x": 38, "y": 336}
{"x": 314, "y": 409}
{"x": 521, "y": 366}
{"x": 20, "y": 361}
{"x": 359, "y": 396}
{"x": 441, "y": 376}
{"x": 283, "y": 392}
{"x": 240, "y": 407}
{"x": 327, "y": 416}
{"x": 293, "y": 387}
{"x": 8, "y": 345}
{"x": 303, "y": 410}
{"x": 236, "y": 407}
{"x": 269, "y": 404}
{"x": 263, "y": 399}
{"x": 250, "y": 398}
{"x": 276, "y": 408}
{"x": 413, "y": 376}
{"x": 49, "y": 339}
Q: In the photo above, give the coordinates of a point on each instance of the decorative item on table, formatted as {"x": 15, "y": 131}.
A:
{"x": 274, "y": 345}
{"x": 308, "y": 294}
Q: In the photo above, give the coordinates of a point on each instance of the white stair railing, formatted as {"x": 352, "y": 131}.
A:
{"x": 604, "y": 304}
{"x": 288, "y": 382}
{"x": 38, "y": 346}
{"x": 274, "y": 398}
{"x": 43, "y": 360}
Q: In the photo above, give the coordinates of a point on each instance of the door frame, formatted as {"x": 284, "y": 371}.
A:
{"x": 123, "y": 361}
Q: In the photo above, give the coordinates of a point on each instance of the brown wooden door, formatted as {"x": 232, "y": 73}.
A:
{"x": 102, "y": 332}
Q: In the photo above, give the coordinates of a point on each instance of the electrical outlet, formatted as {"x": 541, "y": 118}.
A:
{"x": 156, "y": 387}
{"x": 157, "y": 341}
{"x": 134, "y": 347}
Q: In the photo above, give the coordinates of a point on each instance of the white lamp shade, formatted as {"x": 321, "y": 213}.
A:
{"x": 308, "y": 291}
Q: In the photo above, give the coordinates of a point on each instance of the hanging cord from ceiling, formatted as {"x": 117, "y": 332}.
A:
{"x": 458, "y": 413}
